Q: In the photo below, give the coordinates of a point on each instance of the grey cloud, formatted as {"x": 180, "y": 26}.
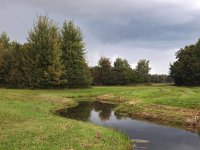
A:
{"x": 115, "y": 21}
{"x": 110, "y": 26}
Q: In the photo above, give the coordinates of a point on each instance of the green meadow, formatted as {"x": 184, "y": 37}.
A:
{"x": 28, "y": 119}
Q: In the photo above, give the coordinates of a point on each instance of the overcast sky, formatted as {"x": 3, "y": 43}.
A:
{"x": 130, "y": 29}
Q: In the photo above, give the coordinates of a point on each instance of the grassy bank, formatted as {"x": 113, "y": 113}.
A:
{"x": 27, "y": 122}
{"x": 163, "y": 104}
{"x": 167, "y": 105}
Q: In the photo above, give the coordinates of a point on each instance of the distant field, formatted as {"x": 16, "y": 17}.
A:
{"x": 27, "y": 120}
{"x": 186, "y": 97}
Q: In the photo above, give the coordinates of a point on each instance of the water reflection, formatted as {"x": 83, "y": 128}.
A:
{"x": 84, "y": 109}
{"x": 159, "y": 137}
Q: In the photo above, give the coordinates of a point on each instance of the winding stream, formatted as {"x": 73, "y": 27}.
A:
{"x": 146, "y": 136}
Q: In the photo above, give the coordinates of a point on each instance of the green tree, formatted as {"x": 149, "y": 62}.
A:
{"x": 45, "y": 52}
{"x": 76, "y": 69}
{"x": 95, "y": 75}
{"x": 186, "y": 70}
{"x": 17, "y": 75}
{"x": 104, "y": 71}
{"x": 4, "y": 57}
{"x": 122, "y": 71}
{"x": 142, "y": 71}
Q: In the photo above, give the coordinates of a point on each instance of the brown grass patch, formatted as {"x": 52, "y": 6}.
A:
{"x": 110, "y": 98}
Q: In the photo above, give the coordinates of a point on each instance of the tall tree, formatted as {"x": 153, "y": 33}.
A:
{"x": 104, "y": 70}
{"x": 76, "y": 69}
{"x": 4, "y": 57}
{"x": 142, "y": 71}
{"x": 122, "y": 71}
{"x": 18, "y": 73}
{"x": 186, "y": 70}
{"x": 45, "y": 51}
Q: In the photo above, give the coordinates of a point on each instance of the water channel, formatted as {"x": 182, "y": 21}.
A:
{"x": 146, "y": 136}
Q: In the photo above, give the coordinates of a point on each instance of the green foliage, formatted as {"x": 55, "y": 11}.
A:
{"x": 103, "y": 72}
{"x": 186, "y": 70}
{"x": 4, "y": 57}
{"x": 122, "y": 72}
{"x": 45, "y": 48}
{"x": 52, "y": 58}
{"x": 16, "y": 73}
{"x": 142, "y": 71}
{"x": 4, "y": 40}
{"x": 76, "y": 70}
{"x": 156, "y": 78}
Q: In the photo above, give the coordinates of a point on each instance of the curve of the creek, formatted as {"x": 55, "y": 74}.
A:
{"x": 146, "y": 136}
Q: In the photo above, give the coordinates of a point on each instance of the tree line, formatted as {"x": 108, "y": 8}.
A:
{"x": 121, "y": 73}
{"x": 51, "y": 57}
{"x": 161, "y": 78}
{"x": 54, "y": 57}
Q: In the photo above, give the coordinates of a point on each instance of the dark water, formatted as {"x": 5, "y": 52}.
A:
{"x": 147, "y": 136}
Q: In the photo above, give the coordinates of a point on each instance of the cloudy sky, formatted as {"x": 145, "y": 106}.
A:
{"x": 131, "y": 29}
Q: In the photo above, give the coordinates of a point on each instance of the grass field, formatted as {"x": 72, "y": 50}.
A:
{"x": 27, "y": 119}
{"x": 27, "y": 122}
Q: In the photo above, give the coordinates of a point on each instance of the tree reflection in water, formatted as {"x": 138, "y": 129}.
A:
{"x": 118, "y": 116}
{"x": 83, "y": 111}
{"x": 104, "y": 110}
